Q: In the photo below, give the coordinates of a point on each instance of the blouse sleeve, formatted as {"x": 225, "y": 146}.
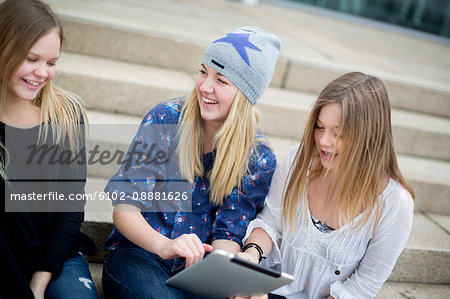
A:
{"x": 233, "y": 217}
{"x": 271, "y": 217}
{"x": 14, "y": 284}
{"x": 382, "y": 251}
{"x": 62, "y": 237}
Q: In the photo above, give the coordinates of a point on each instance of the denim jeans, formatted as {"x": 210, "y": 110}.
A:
{"x": 74, "y": 282}
{"x": 132, "y": 272}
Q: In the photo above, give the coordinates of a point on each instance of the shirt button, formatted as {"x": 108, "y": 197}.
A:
{"x": 337, "y": 272}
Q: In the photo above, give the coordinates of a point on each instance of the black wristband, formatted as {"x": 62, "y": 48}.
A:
{"x": 257, "y": 247}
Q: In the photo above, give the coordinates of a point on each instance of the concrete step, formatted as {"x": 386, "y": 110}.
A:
{"x": 98, "y": 208}
{"x": 315, "y": 49}
{"x": 425, "y": 259}
{"x": 390, "y": 290}
{"x": 96, "y": 273}
{"x": 98, "y": 222}
{"x": 396, "y": 290}
{"x": 284, "y": 114}
{"x": 429, "y": 178}
{"x": 117, "y": 86}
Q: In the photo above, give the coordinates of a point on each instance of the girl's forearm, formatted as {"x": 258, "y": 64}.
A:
{"x": 226, "y": 245}
{"x": 260, "y": 237}
{"x": 130, "y": 222}
{"x": 39, "y": 283}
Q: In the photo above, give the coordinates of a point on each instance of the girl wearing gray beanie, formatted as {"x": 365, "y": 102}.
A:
{"x": 220, "y": 154}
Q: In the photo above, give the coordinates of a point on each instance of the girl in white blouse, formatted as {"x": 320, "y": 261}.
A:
{"x": 339, "y": 212}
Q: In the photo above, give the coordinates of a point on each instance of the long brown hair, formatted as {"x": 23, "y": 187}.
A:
{"x": 22, "y": 24}
{"x": 367, "y": 157}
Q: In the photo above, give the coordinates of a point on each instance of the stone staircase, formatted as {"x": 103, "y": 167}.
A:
{"x": 123, "y": 57}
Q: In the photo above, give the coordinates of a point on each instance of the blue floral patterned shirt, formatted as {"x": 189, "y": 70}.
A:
{"x": 208, "y": 221}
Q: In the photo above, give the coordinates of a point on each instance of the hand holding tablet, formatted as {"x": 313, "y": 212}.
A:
{"x": 223, "y": 275}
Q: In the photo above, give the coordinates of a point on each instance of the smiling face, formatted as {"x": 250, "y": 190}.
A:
{"x": 215, "y": 95}
{"x": 36, "y": 70}
{"x": 326, "y": 134}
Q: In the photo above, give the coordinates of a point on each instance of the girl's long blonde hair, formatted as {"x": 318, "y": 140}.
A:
{"x": 233, "y": 142}
{"x": 22, "y": 24}
{"x": 368, "y": 154}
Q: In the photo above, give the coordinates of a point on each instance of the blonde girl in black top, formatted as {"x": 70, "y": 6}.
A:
{"x": 39, "y": 250}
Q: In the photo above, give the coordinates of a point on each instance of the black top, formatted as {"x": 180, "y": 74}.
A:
{"x": 43, "y": 240}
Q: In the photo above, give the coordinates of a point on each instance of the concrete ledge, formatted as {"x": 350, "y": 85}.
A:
{"x": 96, "y": 272}
{"x": 178, "y": 52}
{"x": 424, "y": 266}
{"x": 390, "y": 290}
{"x": 440, "y": 220}
{"x": 403, "y": 93}
{"x": 430, "y": 178}
{"x": 128, "y": 88}
{"x": 426, "y": 258}
{"x": 395, "y": 290}
{"x": 116, "y": 86}
{"x": 119, "y": 43}
{"x": 139, "y": 47}
{"x": 99, "y": 231}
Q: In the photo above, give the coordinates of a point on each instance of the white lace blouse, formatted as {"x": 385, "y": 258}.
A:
{"x": 343, "y": 263}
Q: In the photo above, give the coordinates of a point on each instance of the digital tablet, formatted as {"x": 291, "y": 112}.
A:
{"x": 221, "y": 275}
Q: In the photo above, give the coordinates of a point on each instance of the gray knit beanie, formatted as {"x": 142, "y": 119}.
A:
{"x": 246, "y": 57}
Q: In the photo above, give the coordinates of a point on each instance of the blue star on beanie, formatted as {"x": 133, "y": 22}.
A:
{"x": 239, "y": 42}
{"x": 247, "y": 57}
